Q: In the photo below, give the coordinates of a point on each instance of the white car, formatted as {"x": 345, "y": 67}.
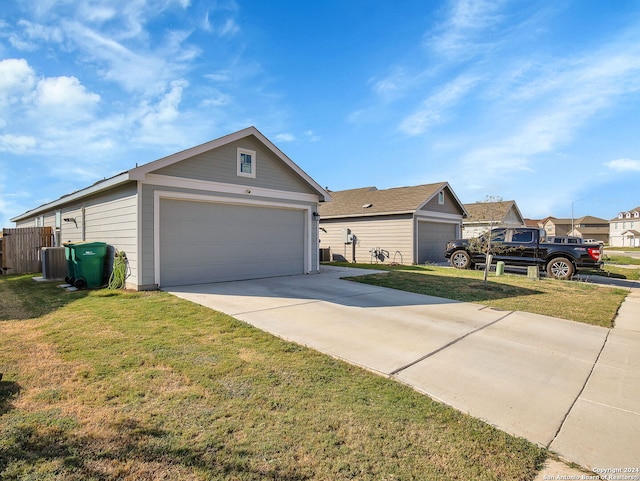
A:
{"x": 593, "y": 241}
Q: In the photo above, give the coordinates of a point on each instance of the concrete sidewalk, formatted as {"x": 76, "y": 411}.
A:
{"x": 602, "y": 429}
{"x": 565, "y": 385}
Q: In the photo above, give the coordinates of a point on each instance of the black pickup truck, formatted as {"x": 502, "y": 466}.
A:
{"x": 524, "y": 246}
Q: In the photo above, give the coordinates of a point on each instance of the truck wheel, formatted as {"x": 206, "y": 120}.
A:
{"x": 461, "y": 260}
{"x": 560, "y": 268}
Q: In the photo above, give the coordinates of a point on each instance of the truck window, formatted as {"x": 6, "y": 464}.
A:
{"x": 497, "y": 235}
{"x": 524, "y": 237}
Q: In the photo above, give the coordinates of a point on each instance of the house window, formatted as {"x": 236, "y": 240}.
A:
{"x": 441, "y": 197}
{"x": 247, "y": 163}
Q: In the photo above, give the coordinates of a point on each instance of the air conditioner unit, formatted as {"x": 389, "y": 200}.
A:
{"x": 54, "y": 263}
{"x": 325, "y": 254}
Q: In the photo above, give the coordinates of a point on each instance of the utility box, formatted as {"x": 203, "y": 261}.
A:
{"x": 347, "y": 236}
{"x": 86, "y": 263}
{"x": 53, "y": 263}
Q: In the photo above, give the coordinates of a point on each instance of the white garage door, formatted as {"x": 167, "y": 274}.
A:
{"x": 204, "y": 242}
{"x": 432, "y": 240}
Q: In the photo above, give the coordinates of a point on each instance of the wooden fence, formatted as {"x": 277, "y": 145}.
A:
{"x": 22, "y": 247}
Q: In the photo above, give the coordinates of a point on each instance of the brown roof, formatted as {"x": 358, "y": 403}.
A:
{"x": 486, "y": 211}
{"x": 589, "y": 219}
{"x": 532, "y": 222}
{"x": 371, "y": 201}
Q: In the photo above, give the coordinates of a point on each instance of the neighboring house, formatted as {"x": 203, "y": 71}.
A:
{"x": 405, "y": 225}
{"x": 556, "y": 227}
{"x": 233, "y": 208}
{"x": 485, "y": 215}
{"x": 624, "y": 229}
{"x": 587, "y": 227}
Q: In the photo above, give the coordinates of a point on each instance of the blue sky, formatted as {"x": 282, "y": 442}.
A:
{"x": 533, "y": 101}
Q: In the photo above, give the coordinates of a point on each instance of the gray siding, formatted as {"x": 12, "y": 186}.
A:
{"x": 219, "y": 165}
{"x": 393, "y": 234}
{"x": 513, "y": 219}
{"x": 450, "y": 205}
{"x": 108, "y": 217}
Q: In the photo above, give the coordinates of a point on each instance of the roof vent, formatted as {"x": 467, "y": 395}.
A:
{"x": 367, "y": 206}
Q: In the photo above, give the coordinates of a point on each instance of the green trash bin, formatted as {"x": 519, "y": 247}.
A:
{"x": 88, "y": 263}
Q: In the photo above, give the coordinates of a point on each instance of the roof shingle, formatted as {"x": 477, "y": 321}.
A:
{"x": 371, "y": 201}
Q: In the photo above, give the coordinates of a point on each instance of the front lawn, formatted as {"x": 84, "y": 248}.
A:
{"x": 575, "y": 301}
{"x": 112, "y": 385}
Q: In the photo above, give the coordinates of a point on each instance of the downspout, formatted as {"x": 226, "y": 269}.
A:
{"x": 415, "y": 240}
{"x": 84, "y": 229}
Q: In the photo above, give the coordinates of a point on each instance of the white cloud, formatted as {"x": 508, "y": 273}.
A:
{"x": 65, "y": 93}
{"x": 16, "y": 144}
{"x": 285, "y": 137}
{"x": 435, "y": 108}
{"x": 219, "y": 77}
{"x": 35, "y": 32}
{"x": 16, "y": 79}
{"x": 157, "y": 121}
{"x": 624, "y": 165}
{"x": 463, "y": 31}
{"x": 311, "y": 136}
{"x": 396, "y": 82}
{"x": 229, "y": 28}
{"x": 217, "y": 99}
{"x": 95, "y": 13}
{"x": 134, "y": 71}
{"x": 551, "y": 104}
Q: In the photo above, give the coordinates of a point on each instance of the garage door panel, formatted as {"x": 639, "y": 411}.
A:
{"x": 432, "y": 240}
{"x": 209, "y": 242}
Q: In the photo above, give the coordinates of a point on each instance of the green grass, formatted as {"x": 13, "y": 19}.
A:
{"x": 627, "y": 249}
{"x": 576, "y": 301}
{"x": 114, "y": 385}
{"x": 620, "y": 259}
{"x": 616, "y": 272}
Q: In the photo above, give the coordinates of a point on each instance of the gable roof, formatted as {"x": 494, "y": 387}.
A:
{"x": 138, "y": 173}
{"x": 487, "y": 211}
{"x": 557, "y": 221}
{"x": 631, "y": 211}
{"x": 589, "y": 219}
{"x": 368, "y": 201}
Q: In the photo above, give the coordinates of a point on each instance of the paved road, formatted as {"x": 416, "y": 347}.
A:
{"x": 569, "y": 386}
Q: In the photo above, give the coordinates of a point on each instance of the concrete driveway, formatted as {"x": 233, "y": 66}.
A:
{"x": 523, "y": 373}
